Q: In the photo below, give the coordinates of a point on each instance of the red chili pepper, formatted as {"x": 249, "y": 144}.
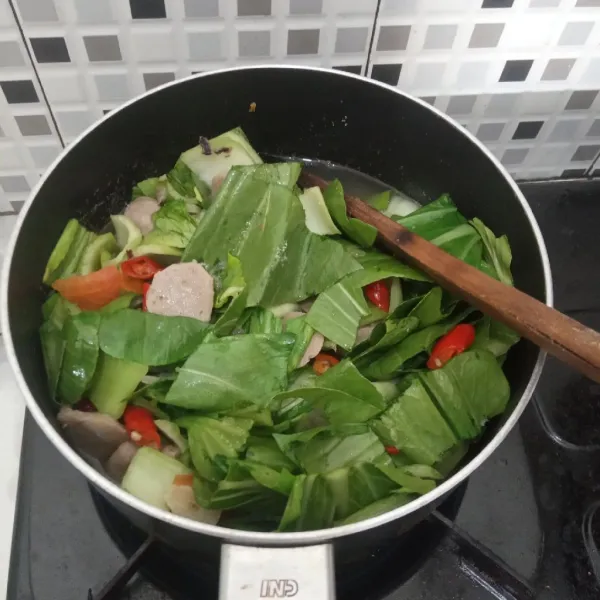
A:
{"x": 454, "y": 342}
{"x": 145, "y": 289}
{"x": 323, "y": 362}
{"x": 378, "y": 293}
{"x": 141, "y": 427}
{"x": 392, "y": 450}
{"x": 140, "y": 267}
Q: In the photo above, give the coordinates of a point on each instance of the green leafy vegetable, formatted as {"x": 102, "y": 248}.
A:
{"x": 342, "y": 393}
{"x": 262, "y": 224}
{"x": 494, "y": 337}
{"x": 310, "y": 505}
{"x": 233, "y": 283}
{"x": 148, "y": 338}
{"x": 173, "y": 220}
{"x": 233, "y": 371}
{"x": 80, "y": 357}
{"x": 210, "y": 439}
{"x": 228, "y": 149}
{"x": 266, "y": 452}
{"x": 356, "y": 487}
{"x": 317, "y": 217}
{"x": 469, "y": 390}
{"x": 66, "y": 240}
{"x": 336, "y": 313}
{"x": 327, "y": 452}
{"x": 304, "y": 333}
{"x": 379, "y": 507}
{"x": 380, "y": 201}
{"x": 228, "y": 321}
{"x": 414, "y": 425}
{"x": 389, "y": 364}
{"x": 357, "y": 230}
{"x": 440, "y": 223}
{"x": 496, "y": 252}
{"x": 53, "y": 350}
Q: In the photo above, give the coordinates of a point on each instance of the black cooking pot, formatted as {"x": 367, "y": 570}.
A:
{"x": 300, "y": 112}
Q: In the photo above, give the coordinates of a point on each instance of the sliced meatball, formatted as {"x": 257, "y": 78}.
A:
{"x": 120, "y": 460}
{"x": 93, "y": 433}
{"x": 184, "y": 290}
{"x": 181, "y": 501}
{"x": 140, "y": 211}
{"x": 314, "y": 347}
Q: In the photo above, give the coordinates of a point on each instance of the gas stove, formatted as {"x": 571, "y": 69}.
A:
{"x": 526, "y": 525}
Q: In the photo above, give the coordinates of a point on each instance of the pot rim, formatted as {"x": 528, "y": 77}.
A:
{"x": 248, "y": 537}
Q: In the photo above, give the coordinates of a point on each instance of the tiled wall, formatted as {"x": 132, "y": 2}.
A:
{"x": 523, "y": 75}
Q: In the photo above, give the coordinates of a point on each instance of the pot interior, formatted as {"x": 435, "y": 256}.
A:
{"x": 299, "y": 112}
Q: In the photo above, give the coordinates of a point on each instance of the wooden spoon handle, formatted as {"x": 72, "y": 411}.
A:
{"x": 561, "y": 336}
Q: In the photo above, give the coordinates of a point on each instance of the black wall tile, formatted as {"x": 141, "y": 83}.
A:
{"x": 516, "y": 70}
{"x": 50, "y": 50}
{"x": 19, "y": 92}
{"x": 386, "y": 73}
{"x": 148, "y": 9}
{"x": 527, "y": 130}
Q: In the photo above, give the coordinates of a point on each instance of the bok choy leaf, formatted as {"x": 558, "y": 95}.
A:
{"x": 148, "y": 338}
{"x": 232, "y": 372}
{"x": 262, "y": 224}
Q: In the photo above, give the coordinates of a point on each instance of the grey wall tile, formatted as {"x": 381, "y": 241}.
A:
{"x": 303, "y": 41}
{"x": 594, "y": 130}
{"x": 501, "y": 105}
{"x": 102, "y": 48}
{"x": 37, "y": 10}
{"x": 461, "y": 105}
{"x": 576, "y": 34}
{"x": 544, "y": 3}
{"x": 12, "y": 184}
{"x": 428, "y": 75}
{"x": 92, "y": 11}
{"x": 440, "y": 37}
{"x": 393, "y": 37}
{"x": 205, "y": 46}
{"x": 585, "y": 153}
{"x": 33, "y": 125}
{"x": 254, "y": 43}
{"x": 11, "y": 55}
{"x": 202, "y": 9}
{"x": 588, "y": 3}
{"x": 306, "y": 7}
{"x": 558, "y": 69}
{"x": 490, "y": 132}
{"x": 43, "y": 156}
{"x": 564, "y": 131}
{"x": 152, "y": 80}
{"x": 581, "y": 100}
{"x": 351, "y": 39}
{"x": 112, "y": 88}
{"x": 515, "y": 156}
{"x": 253, "y": 8}
{"x": 486, "y": 35}
{"x": 73, "y": 122}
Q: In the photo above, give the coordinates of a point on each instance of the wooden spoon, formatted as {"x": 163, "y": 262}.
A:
{"x": 561, "y": 336}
